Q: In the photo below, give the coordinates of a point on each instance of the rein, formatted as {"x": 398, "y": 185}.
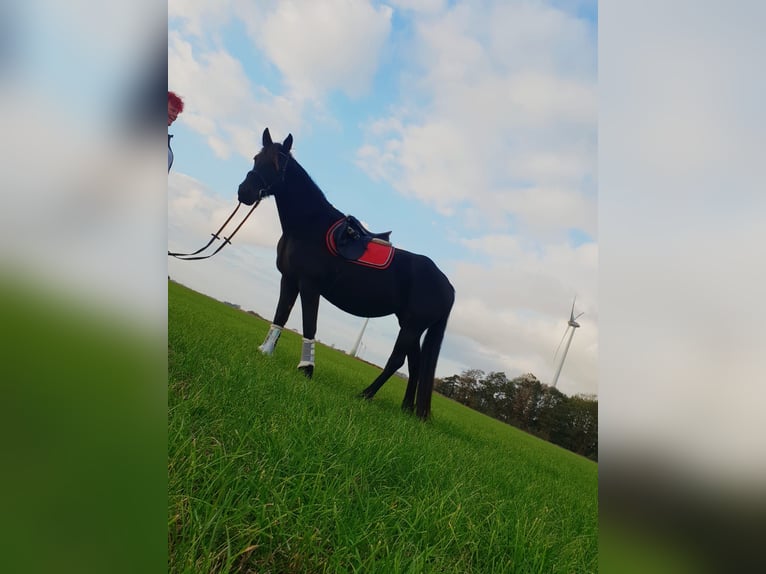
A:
{"x": 194, "y": 257}
{"x": 263, "y": 192}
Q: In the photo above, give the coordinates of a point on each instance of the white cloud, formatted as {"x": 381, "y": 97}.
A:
{"x": 218, "y": 95}
{"x": 551, "y": 166}
{"x": 516, "y": 304}
{"x": 320, "y": 46}
{"x": 539, "y": 99}
{"x": 517, "y": 342}
{"x": 547, "y": 212}
{"x": 509, "y": 109}
{"x": 427, "y": 6}
{"x": 200, "y": 17}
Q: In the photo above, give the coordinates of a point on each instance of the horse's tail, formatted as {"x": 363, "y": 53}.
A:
{"x": 429, "y": 355}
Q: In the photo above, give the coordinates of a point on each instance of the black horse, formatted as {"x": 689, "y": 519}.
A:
{"x": 404, "y": 284}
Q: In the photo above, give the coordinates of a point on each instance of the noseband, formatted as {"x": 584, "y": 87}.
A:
{"x": 263, "y": 192}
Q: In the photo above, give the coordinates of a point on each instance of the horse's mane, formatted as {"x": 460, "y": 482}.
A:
{"x": 271, "y": 154}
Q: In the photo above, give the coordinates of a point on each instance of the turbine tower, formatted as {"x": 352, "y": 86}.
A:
{"x": 355, "y": 350}
{"x": 571, "y": 324}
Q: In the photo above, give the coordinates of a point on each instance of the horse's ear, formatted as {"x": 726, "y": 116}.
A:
{"x": 288, "y": 143}
{"x": 266, "y": 138}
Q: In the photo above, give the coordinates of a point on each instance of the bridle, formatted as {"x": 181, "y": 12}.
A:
{"x": 263, "y": 192}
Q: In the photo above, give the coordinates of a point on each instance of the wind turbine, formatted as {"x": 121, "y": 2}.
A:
{"x": 355, "y": 350}
{"x": 571, "y": 324}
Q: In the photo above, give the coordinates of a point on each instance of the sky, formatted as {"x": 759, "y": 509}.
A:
{"x": 468, "y": 129}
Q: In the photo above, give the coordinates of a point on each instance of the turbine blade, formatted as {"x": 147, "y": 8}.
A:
{"x": 571, "y": 313}
{"x": 580, "y": 315}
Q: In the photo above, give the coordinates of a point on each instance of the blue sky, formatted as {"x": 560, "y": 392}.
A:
{"x": 466, "y": 128}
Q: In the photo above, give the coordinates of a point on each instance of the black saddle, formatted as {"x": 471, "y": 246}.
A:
{"x": 350, "y": 238}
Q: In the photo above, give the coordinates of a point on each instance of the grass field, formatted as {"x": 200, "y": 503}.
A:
{"x": 269, "y": 472}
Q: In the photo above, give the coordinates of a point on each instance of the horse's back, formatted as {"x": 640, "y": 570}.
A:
{"x": 412, "y": 283}
{"x": 412, "y": 287}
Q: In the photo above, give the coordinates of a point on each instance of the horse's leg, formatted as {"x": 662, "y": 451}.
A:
{"x": 413, "y": 366}
{"x": 310, "y": 310}
{"x": 408, "y": 337}
{"x": 429, "y": 355}
{"x": 288, "y": 293}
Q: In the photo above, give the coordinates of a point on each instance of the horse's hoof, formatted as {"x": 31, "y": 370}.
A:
{"x": 409, "y": 409}
{"x": 307, "y": 370}
{"x": 364, "y": 395}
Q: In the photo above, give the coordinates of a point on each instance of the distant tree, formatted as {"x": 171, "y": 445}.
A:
{"x": 526, "y": 403}
{"x": 468, "y": 385}
{"x": 584, "y": 426}
{"x": 553, "y": 414}
{"x": 491, "y": 392}
{"x": 448, "y": 386}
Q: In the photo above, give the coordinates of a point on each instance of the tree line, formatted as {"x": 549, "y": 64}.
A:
{"x": 528, "y": 404}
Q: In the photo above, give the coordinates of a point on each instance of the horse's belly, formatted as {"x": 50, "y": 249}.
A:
{"x": 361, "y": 301}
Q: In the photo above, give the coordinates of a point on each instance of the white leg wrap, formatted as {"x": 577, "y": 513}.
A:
{"x": 267, "y": 348}
{"x": 307, "y": 353}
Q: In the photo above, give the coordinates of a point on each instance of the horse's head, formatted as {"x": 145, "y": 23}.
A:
{"x": 268, "y": 171}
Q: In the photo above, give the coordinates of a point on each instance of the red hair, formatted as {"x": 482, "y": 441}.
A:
{"x": 177, "y": 102}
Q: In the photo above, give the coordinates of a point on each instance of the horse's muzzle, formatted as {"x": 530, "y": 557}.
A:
{"x": 245, "y": 195}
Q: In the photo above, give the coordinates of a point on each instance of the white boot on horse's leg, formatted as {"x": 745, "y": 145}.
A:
{"x": 307, "y": 358}
{"x": 267, "y": 348}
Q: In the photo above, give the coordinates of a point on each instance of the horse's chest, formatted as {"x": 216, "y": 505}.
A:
{"x": 302, "y": 260}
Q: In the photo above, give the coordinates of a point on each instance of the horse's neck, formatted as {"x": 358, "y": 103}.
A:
{"x": 303, "y": 208}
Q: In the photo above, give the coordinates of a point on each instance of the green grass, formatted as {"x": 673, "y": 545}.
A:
{"x": 631, "y": 549}
{"x": 271, "y": 472}
{"x": 82, "y": 431}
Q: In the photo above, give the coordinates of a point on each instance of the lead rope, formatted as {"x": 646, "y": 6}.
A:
{"x": 226, "y": 240}
{"x": 215, "y": 236}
